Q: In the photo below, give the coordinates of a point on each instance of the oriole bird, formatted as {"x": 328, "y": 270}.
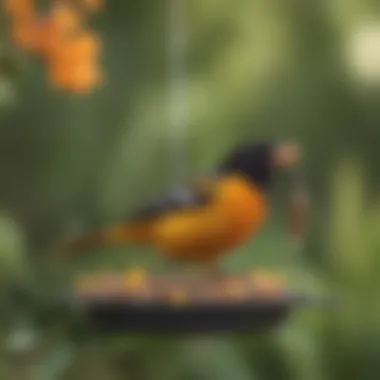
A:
{"x": 210, "y": 217}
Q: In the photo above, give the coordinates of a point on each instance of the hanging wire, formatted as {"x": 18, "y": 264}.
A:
{"x": 178, "y": 99}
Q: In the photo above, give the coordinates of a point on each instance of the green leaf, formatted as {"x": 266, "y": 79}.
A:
{"x": 54, "y": 363}
{"x": 213, "y": 358}
{"x": 302, "y": 351}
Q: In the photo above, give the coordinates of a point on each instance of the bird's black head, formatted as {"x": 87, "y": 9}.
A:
{"x": 258, "y": 161}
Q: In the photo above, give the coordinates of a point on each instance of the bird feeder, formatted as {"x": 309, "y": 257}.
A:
{"x": 140, "y": 303}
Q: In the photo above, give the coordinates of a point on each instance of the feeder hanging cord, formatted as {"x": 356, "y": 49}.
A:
{"x": 178, "y": 90}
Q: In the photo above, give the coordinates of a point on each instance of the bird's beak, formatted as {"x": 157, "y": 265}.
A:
{"x": 287, "y": 155}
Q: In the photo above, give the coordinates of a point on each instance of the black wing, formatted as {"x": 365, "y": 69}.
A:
{"x": 180, "y": 198}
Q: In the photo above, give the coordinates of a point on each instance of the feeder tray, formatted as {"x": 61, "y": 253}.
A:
{"x": 137, "y": 302}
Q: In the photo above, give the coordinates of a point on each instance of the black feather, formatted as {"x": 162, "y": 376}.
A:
{"x": 177, "y": 199}
{"x": 253, "y": 160}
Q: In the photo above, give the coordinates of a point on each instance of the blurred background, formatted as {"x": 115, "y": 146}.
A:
{"x": 76, "y": 152}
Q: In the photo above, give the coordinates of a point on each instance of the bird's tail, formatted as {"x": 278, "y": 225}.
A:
{"x": 118, "y": 234}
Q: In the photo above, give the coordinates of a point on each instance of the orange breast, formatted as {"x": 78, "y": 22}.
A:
{"x": 245, "y": 207}
{"x": 236, "y": 213}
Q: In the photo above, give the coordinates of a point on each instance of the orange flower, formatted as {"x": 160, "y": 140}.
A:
{"x": 76, "y": 51}
{"x": 24, "y": 34}
{"x": 45, "y": 39}
{"x": 70, "y": 52}
{"x": 85, "y": 45}
{"x": 19, "y": 7}
{"x": 93, "y": 5}
{"x": 65, "y": 19}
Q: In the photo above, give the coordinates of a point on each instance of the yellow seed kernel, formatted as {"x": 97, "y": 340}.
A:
{"x": 269, "y": 283}
{"x": 84, "y": 284}
{"x": 178, "y": 297}
{"x": 235, "y": 289}
{"x": 136, "y": 278}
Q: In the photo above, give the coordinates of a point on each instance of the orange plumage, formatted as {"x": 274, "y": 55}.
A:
{"x": 236, "y": 212}
{"x": 207, "y": 219}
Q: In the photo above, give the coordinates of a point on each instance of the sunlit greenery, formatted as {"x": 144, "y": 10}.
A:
{"x": 256, "y": 68}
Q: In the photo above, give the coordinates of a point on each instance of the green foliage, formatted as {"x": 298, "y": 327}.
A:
{"x": 12, "y": 250}
{"x": 348, "y": 336}
{"x": 256, "y": 68}
{"x": 353, "y": 330}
